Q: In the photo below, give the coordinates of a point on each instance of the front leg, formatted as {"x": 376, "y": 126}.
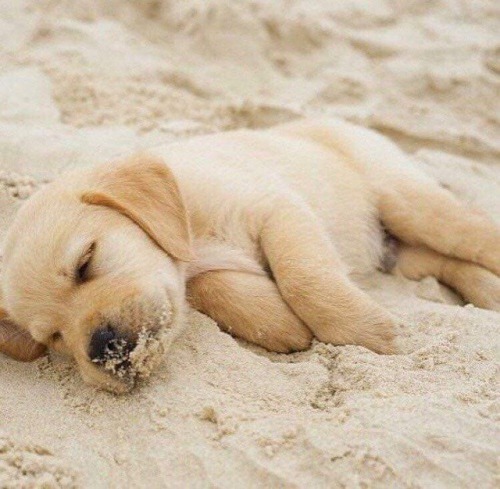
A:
{"x": 250, "y": 307}
{"x": 314, "y": 282}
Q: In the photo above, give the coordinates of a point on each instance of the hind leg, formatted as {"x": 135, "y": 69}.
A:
{"x": 474, "y": 283}
{"x": 431, "y": 216}
{"x": 412, "y": 205}
{"x": 444, "y": 238}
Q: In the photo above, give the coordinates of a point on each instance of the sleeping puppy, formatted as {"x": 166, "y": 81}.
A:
{"x": 264, "y": 231}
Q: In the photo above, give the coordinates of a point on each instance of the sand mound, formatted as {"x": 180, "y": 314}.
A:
{"x": 84, "y": 80}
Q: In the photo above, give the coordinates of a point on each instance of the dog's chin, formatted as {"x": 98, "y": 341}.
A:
{"x": 101, "y": 379}
{"x": 121, "y": 376}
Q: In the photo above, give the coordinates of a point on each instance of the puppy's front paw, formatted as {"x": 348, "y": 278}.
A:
{"x": 378, "y": 335}
{"x": 376, "y": 330}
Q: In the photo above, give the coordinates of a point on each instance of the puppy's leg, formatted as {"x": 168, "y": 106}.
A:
{"x": 412, "y": 205}
{"x": 476, "y": 284}
{"x": 249, "y": 306}
{"x": 416, "y": 209}
{"x": 314, "y": 282}
{"x": 426, "y": 214}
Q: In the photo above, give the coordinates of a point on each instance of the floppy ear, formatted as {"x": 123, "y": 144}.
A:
{"x": 144, "y": 189}
{"x": 18, "y": 343}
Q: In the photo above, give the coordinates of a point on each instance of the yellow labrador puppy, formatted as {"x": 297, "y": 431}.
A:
{"x": 264, "y": 231}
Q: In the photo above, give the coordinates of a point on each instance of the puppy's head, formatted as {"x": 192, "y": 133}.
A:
{"x": 94, "y": 267}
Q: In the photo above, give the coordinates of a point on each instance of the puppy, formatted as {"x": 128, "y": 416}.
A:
{"x": 264, "y": 231}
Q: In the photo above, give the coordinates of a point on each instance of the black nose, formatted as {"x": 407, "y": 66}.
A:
{"x": 106, "y": 343}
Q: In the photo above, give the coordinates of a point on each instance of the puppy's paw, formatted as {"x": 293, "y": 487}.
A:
{"x": 378, "y": 336}
{"x": 376, "y": 331}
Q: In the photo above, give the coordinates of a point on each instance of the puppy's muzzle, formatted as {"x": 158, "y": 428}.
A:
{"x": 131, "y": 341}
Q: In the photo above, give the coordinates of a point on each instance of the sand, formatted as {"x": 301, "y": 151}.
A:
{"x": 84, "y": 80}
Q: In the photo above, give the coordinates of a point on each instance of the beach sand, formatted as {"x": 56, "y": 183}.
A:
{"x": 84, "y": 80}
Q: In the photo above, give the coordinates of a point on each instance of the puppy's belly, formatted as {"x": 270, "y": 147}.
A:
{"x": 361, "y": 243}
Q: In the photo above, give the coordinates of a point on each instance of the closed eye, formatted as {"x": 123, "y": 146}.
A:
{"x": 82, "y": 272}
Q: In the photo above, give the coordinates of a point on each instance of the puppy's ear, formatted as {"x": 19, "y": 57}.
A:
{"x": 144, "y": 189}
{"x": 18, "y": 343}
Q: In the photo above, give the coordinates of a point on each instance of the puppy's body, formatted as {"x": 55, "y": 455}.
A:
{"x": 232, "y": 181}
{"x": 274, "y": 225}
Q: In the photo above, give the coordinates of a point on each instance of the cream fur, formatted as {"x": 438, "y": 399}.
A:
{"x": 303, "y": 202}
